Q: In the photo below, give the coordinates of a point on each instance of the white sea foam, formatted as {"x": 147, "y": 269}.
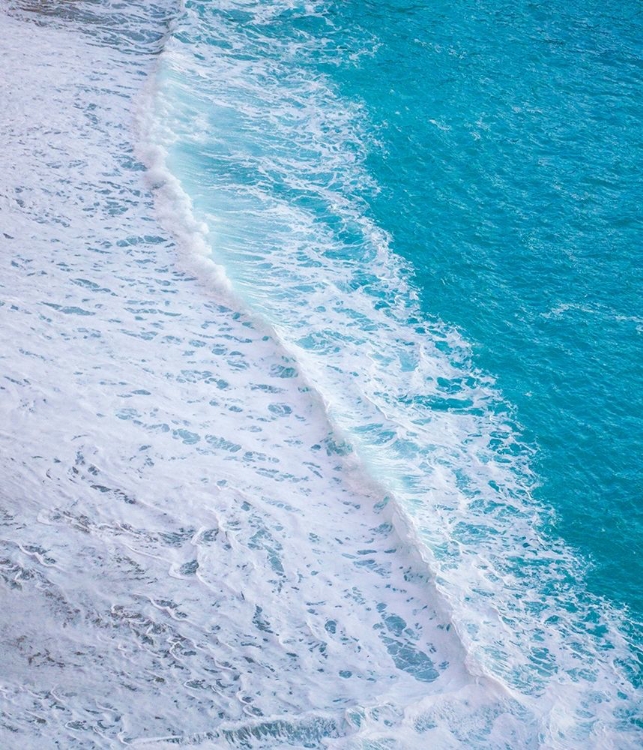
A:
{"x": 187, "y": 556}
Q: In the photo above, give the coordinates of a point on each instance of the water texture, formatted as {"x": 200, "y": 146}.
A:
{"x": 258, "y": 487}
{"x": 510, "y": 164}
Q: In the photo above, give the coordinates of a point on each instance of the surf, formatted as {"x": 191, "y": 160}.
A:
{"x": 270, "y": 166}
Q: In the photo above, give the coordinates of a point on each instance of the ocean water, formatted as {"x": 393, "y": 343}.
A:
{"x": 321, "y": 374}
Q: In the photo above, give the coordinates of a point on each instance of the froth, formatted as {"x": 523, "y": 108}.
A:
{"x": 189, "y": 554}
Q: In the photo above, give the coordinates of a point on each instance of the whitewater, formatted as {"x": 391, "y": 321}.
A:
{"x": 251, "y": 494}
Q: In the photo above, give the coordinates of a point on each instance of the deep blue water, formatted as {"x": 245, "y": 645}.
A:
{"x": 496, "y": 149}
{"x": 499, "y": 148}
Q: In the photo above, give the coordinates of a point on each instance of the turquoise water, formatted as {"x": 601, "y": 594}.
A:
{"x": 436, "y": 210}
{"x": 321, "y": 374}
{"x": 509, "y": 159}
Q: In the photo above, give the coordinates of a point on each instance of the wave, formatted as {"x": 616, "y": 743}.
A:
{"x": 185, "y": 545}
{"x": 259, "y": 167}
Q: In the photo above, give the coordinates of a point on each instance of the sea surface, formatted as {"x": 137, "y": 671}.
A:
{"x": 321, "y": 374}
